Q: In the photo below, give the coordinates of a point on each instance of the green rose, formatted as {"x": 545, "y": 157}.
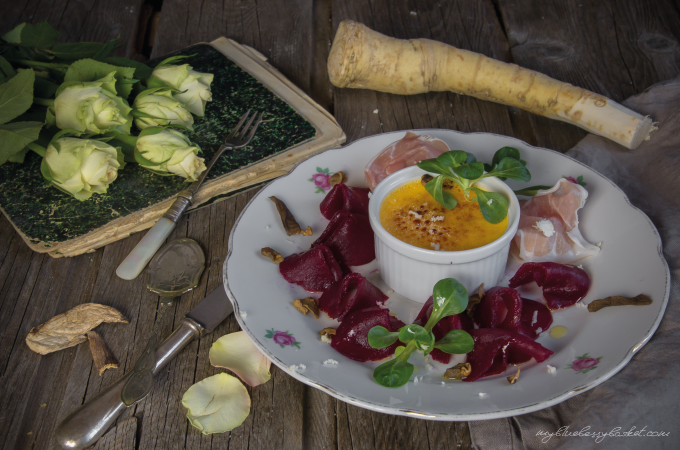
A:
{"x": 194, "y": 86}
{"x": 81, "y": 167}
{"x": 156, "y": 107}
{"x": 168, "y": 152}
{"x": 92, "y": 107}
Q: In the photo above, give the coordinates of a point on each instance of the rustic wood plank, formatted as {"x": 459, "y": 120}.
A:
{"x": 606, "y": 47}
{"x": 121, "y": 437}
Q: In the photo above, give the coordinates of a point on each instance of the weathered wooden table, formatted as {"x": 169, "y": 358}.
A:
{"x": 613, "y": 47}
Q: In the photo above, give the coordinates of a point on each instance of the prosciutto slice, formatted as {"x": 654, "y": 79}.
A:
{"x": 563, "y": 285}
{"x": 351, "y": 337}
{"x": 492, "y": 347}
{"x": 457, "y": 322}
{"x": 351, "y": 293}
{"x": 314, "y": 270}
{"x": 350, "y": 238}
{"x": 548, "y": 225}
{"x": 343, "y": 197}
{"x": 402, "y": 153}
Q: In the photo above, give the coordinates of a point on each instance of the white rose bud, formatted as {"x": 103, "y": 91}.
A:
{"x": 93, "y": 107}
{"x": 155, "y": 107}
{"x": 194, "y": 86}
{"x": 169, "y": 152}
{"x": 81, "y": 167}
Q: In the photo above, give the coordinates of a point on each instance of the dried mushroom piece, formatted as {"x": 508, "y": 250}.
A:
{"x": 513, "y": 379}
{"x": 307, "y": 304}
{"x": 458, "y": 372}
{"x": 474, "y": 301}
{"x": 103, "y": 358}
{"x": 328, "y": 332}
{"x": 337, "y": 178}
{"x": 618, "y": 300}
{"x": 288, "y": 220}
{"x": 70, "y": 328}
{"x": 272, "y": 254}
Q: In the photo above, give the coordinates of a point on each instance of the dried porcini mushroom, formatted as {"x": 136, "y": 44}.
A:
{"x": 103, "y": 358}
{"x": 307, "y": 304}
{"x": 272, "y": 254}
{"x": 458, "y": 372}
{"x": 337, "y": 178}
{"x": 513, "y": 379}
{"x": 70, "y": 328}
{"x": 288, "y": 220}
{"x": 618, "y": 300}
{"x": 328, "y": 332}
{"x": 474, "y": 300}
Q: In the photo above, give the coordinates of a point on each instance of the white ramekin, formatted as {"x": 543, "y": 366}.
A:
{"x": 412, "y": 271}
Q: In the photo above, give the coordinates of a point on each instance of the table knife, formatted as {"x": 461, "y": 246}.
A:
{"x": 84, "y": 426}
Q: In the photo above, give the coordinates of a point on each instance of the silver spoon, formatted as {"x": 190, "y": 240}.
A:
{"x": 173, "y": 271}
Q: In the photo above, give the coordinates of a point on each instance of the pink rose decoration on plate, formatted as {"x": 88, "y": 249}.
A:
{"x": 321, "y": 180}
{"x": 584, "y": 364}
{"x": 578, "y": 180}
{"x": 282, "y": 338}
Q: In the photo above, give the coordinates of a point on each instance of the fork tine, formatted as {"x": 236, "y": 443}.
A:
{"x": 245, "y": 129}
{"x": 238, "y": 126}
{"x": 252, "y": 132}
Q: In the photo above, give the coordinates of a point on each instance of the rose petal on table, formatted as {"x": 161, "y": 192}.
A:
{"x": 217, "y": 404}
{"x": 237, "y": 353}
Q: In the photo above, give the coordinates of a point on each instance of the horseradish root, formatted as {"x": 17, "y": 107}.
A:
{"x": 363, "y": 58}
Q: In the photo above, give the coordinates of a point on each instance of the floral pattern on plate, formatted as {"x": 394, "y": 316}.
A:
{"x": 584, "y": 364}
{"x": 282, "y": 338}
{"x": 321, "y": 180}
{"x": 578, "y": 180}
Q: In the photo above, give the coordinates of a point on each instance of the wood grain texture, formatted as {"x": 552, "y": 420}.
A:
{"x": 615, "y": 48}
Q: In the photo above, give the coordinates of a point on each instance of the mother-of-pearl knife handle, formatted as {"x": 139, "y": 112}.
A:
{"x": 140, "y": 256}
{"x": 84, "y": 426}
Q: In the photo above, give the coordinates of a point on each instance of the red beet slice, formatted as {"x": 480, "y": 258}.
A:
{"x": 314, "y": 270}
{"x": 535, "y": 316}
{"x": 457, "y": 322}
{"x": 500, "y": 307}
{"x": 563, "y": 285}
{"x": 343, "y": 197}
{"x": 490, "y": 356}
{"x": 350, "y": 238}
{"x": 351, "y": 337}
{"x": 351, "y": 293}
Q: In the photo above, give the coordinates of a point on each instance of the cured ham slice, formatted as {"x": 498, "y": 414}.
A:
{"x": 548, "y": 225}
{"x": 492, "y": 347}
{"x": 351, "y": 293}
{"x": 402, "y": 153}
{"x": 314, "y": 270}
{"x": 350, "y": 238}
{"x": 343, "y": 197}
{"x": 457, "y": 322}
{"x": 351, "y": 337}
{"x": 563, "y": 285}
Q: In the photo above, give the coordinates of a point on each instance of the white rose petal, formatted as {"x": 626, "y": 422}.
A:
{"x": 237, "y": 353}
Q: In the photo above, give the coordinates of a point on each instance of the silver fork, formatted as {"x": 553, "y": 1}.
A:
{"x": 151, "y": 242}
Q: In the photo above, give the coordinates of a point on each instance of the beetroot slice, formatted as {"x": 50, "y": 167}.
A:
{"x": 350, "y": 238}
{"x": 563, "y": 285}
{"x": 500, "y": 307}
{"x": 490, "y": 356}
{"x": 351, "y": 293}
{"x": 351, "y": 337}
{"x": 314, "y": 270}
{"x": 543, "y": 318}
{"x": 457, "y": 322}
{"x": 343, "y": 197}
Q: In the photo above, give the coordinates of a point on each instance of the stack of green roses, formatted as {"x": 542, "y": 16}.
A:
{"x": 70, "y": 103}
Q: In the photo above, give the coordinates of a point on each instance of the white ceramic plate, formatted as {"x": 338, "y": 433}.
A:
{"x": 595, "y": 348}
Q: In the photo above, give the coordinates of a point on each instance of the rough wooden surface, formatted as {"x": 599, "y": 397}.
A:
{"x": 616, "y": 48}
